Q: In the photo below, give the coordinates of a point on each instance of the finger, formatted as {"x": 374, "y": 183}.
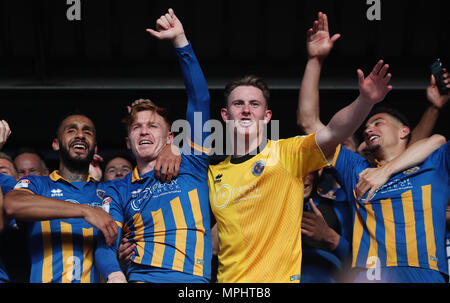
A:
{"x": 387, "y": 78}
{"x": 321, "y": 23}
{"x": 309, "y": 34}
{"x": 315, "y": 26}
{"x": 163, "y": 23}
{"x": 383, "y": 70}
{"x": 169, "y": 19}
{"x": 325, "y": 22}
{"x": 154, "y": 34}
{"x": 377, "y": 67}
{"x": 157, "y": 169}
{"x": 170, "y": 173}
{"x": 360, "y": 74}
{"x": 314, "y": 208}
{"x": 335, "y": 37}
{"x": 371, "y": 193}
{"x": 306, "y": 232}
{"x": 172, "y": 14}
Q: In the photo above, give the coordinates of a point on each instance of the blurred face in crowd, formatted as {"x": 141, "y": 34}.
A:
{"x": 7, "y": 168}
{"x": 76, "y": 141}
{"x": 309, "y": 183}
{"x": 148, "y": 134}
{"x": 117, "y": 168}
{"x": 349, "y": 144}
{"x": 29, "y": 164}
{"x": 247, "y": 108}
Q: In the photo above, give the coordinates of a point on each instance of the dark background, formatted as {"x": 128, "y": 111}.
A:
{"x": 50, "y": 66}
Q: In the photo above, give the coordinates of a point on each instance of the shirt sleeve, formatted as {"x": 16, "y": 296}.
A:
{"x": 440, "y": 159}
{"x": 301, "y": 155}
{"x": 198, "y": 105}
{"x": 106, "y": 256}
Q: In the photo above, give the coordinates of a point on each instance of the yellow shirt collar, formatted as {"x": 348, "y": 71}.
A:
{"x": 55, "y": 176}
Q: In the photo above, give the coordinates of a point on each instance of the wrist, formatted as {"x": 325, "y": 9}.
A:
{"x": 180, "y": 41}
{"x": 332, "y": 241}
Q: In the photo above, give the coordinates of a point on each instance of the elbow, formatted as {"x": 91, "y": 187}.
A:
{"x": 437, "y": 140}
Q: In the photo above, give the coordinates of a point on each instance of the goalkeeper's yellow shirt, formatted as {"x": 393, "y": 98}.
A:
{"x": 258, "y": 205}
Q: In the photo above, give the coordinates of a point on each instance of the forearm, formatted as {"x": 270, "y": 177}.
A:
{"x": 26, "y": 206}
{"x": 308, "y": 101}
{"x": 342, "y": 125}
{"x": 415, "y": 154}
{"x": 426, "y": 124}
{"x": 106, "y": 257}
{"x": 197, "y": 93}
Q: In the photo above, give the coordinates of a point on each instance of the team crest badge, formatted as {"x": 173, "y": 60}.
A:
{"x": 258, "y": 168}
{"x": 411, "y": 170}
{"x": 101, "y": 194}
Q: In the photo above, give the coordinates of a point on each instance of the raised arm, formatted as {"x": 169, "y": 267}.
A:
{"x": 371, "y": 179}
{"x": 169, "y": 27}
{"x": 344, "y": 123}
{"x": 318, "y": 46}
{"x": 426, "y": 124}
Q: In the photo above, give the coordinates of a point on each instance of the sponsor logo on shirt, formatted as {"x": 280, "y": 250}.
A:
{"x": 56, "y": 192}
{"x": 22, "y": 184}
{"x": 105, "y": 204}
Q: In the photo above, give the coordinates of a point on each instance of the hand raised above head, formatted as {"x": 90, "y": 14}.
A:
{"x": 374, "y": 87}
{"x": 318, "y": 41}
{"x": 169, "y": 27}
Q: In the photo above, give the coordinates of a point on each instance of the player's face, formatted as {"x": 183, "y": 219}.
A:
{"x": 382, "y": 131}
{"x": 148, "y": 135}
{"x": 308, "y": 184}
{"x": 76, "y": 139}
{"x": 28, "y": 164}
{"x": 247, "y": 108}
{"x": 117, "y": 168}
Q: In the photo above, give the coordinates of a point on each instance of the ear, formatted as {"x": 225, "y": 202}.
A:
{"x": 55, "y": 144}
{"x": 319, "y": 172}
{"x": 224, "y": 114}
{"x": 170, "y": 138}
{"x": 127, "y": 142}
{"x": 267, "y": 116}
{"x": 404, "y": 132}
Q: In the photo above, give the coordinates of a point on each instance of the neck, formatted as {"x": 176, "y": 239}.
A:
{"x": 145, "y": 166}
{"x": 385, "y": 155}
{"x": 244, "y": 144}
{"x": 73, "y": 175}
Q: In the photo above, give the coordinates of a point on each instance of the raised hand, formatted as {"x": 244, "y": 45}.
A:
{"x": 433, "y": 94}
{"x": 5, "y": 131}
{"x": 318, "y": 41}
{"x": 169, "y": 27}
{"x": 375, "y": 87}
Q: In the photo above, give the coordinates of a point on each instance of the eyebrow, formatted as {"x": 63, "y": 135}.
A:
{"x": 84, "y": 127}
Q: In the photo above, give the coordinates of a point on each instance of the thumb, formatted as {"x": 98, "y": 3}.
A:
{"x": 335, "y": 37}
{"x": 154, "y": 33}
{"x": 433, "y": 80}
{"x": 314, "y": 208}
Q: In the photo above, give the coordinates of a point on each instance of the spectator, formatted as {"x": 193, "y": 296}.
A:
{"x": 117, "y": 165}
{"x": 7, "y": 166}
{"x": 29, "y": 162}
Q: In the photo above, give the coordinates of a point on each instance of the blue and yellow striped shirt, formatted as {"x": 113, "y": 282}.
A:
{"x": 170, "y": 223}
{"x": 62, "y": 250}
{"x": 404, "y": 223}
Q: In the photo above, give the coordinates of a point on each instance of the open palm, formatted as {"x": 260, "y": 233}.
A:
{"x": 375, "y": 86}
{"x": 318, "y": 41}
